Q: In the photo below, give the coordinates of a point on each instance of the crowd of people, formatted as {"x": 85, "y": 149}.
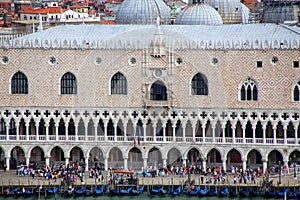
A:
{"x": 211, "y": 174}
{"x": 75, "y": 172}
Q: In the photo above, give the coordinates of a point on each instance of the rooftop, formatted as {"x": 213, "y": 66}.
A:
{"x": 233, "y": 36}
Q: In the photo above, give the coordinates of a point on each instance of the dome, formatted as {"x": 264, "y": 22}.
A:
{"x": 245, "y": 14}
{"x": 278, "y": 13}
{"x": 230, "y": 10}
{"x": 142, "y": 12}
{"x": 197, "y": 14}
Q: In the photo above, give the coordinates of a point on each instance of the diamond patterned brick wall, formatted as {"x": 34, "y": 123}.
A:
{"x": 224, "y": 78}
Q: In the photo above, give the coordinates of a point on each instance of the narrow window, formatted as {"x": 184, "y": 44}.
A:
{"x": 296, "y": 92}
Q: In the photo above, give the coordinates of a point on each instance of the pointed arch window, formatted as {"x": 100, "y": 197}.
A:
{"x": 297, "y": 92}
{"x": 199, "y": 85}
{"x": 249, "y": 90}
{"x": 68, "y": 84}
{"x": 119, "y": 84}
{"x": 158, "y": 91}
{"x": 19, "y": 84}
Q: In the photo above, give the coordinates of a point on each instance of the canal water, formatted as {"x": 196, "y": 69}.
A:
{"x": 144, "y": 196}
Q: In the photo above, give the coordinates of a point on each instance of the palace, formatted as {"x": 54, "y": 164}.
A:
{"x": 150, "y": 92}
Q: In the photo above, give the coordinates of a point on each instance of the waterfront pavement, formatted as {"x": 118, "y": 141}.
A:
{"x": 10, "y": 178}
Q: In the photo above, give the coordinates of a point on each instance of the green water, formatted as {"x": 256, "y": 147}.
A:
{"x": 144, "y": 196}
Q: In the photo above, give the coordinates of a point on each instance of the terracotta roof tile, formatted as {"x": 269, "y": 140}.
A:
{"x": 51, "y": 10}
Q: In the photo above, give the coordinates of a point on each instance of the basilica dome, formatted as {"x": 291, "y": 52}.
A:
{"x": 245, "y": 14}
{"x": 230, "y": 10}
{"x": 143, "y": 12}
{"x": 197, "y": 14}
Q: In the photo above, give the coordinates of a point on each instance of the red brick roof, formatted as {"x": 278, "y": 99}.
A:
{"x": 51, "y": 10}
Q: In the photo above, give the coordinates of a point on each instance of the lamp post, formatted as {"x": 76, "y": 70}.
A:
{"x": 279, "y": 181}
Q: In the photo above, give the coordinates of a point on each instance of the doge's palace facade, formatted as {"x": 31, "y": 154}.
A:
{"x": 186, "y": 96}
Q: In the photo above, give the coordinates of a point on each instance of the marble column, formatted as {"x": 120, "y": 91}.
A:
{"x": 105, "y": 163}
{"x": 125, "y": 163}
{"x": 47, "y": 161}
{"x": 164, "y": 162}
{"x": 265, "y": 165}
{"x": 154, "y": 132}
{"x": 145, "y": 162}
{"x": 7, "y": 163}
{"x": 244, "y": 164}
{"x": 86, "y": 160}
{"x": 224, "y": 163}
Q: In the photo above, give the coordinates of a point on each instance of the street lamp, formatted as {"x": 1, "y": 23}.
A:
{"x": 279, "y": 181}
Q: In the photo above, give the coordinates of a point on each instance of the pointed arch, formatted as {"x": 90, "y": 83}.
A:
{"x": 294, "y": 157}
{"x": 76, "y": 155}
{"x": 254, "y": 158}
{"x": 194, "y": 156}
{"x": 199, "y": 84}
{"x": 275, "y": 157}
{"x": 96, "y": 158}
{"x": 296, "y": 92}
{"x": 174, "y": 157}
{"x": 158, "y": 91}
{"x": 17, "y": 156}
{"x": 118, "y": 84}
{"x": 37, "y": 155}
{"x": 116, "y": 158}
{"x": 19, "y": 83}
{"x": 154, "y": 157}
{"x": 68, "y": 84}
{"x": 135, "y": 158}
{"x": 57, "y": 155}
{"x": 248, "y": 90}
{"x": 213, "y": 156}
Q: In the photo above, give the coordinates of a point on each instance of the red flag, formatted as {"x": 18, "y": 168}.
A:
{"x": 134, "y": 142}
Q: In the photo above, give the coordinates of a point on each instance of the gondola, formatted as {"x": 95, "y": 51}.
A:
{"x": 160, "y": 191}
{"x": 125, "y": 192}
{"x": 270, "y": 194}
{"x": 100, "y": 191}
{"x": 175, "y": 192}
{"x": 52, "y": 190}
{"x": 253, "y": 193}
{"x": 224, "y": 192}
{"x": 90, "y": 192}
{"x": 9, "y": 193}
{"x": 80, "y": 192}
{"x": 114, "y": 192}
{"x": 212, "y": 193}
{"x": 233, "y": 192}
{"x": 70, "y": 191}
{"x": 202, "y": 192}
{"x": 293, "y": 194}
{"x": 244, "y": 193}
{"x": 28, "y": 193}
{"x": 280, "y": 194}
{"x": 18, "y": 193}
{"x": 194, "y": 192}
{"x": 39, "y": 191}
{"x": 136, "y": 192}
